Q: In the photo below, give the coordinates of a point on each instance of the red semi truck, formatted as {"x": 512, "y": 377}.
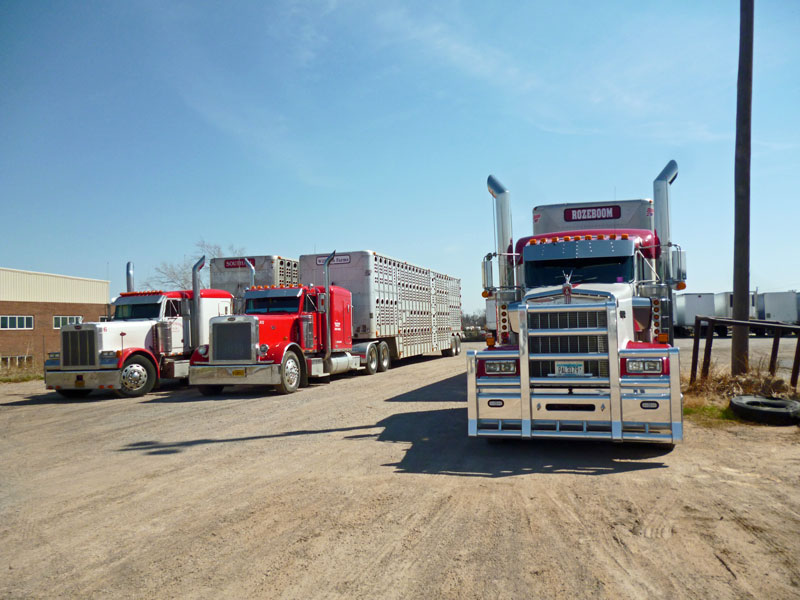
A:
{"x": 371, "y": 309}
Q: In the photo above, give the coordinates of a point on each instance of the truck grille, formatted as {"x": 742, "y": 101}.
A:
{"x": 78, "y": 348}
{"x": 568, "y": 344}
{"x": 592, "y": 343}
{"x": 567, "y": 320}
{"x": 231, "y": 341}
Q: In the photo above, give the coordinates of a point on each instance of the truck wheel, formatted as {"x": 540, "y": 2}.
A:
{"x": 722, "y": 331}
{"x": 290, "y": 374}
{"x": 451, "y": 351}
{"x": 74, "y": 393}
{"x": 137, "y": 378}
{"x": 371, "y": 366}
{"x": 384, "y": 357}
{"x": 210, "y": 390}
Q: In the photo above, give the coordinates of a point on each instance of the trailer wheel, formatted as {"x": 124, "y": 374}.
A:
{"x": 451, "y": 351}
{"x": 773, "y": 411}
{"x": 722, "y": 331}
{"x": 74, "y": 393}
{"x": 458, "y": 345}
{"x": 384, "y": 357}
{"x": 210, "y": 390}
{"x": 290, "y": 374}
{"x": 138, "y": 377}
{"x": 371, "y": 366}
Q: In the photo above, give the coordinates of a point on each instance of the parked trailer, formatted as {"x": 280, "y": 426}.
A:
{"x": 778, "y": 306}
{"x": 150, "y": 336}
{"x": 691, "y": 306}
{"x": 352, "y": 311}
{"x": 723, "y": 308}
{"x": 235, "y": 274}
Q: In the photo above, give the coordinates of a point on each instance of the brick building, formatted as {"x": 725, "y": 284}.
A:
{"x": 33, "y": 306}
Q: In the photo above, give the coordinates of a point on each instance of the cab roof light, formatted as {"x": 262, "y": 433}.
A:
{"x": 601, "y": 236}
{"x": 587, "y": 237}
{"x": 624, "y": 236}
{"x": 612, "y": 236}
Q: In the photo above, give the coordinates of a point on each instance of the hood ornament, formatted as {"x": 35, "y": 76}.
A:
{"x": 566, "y": 289}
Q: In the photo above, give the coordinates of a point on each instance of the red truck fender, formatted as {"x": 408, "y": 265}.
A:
{"x": 142, "y": 351}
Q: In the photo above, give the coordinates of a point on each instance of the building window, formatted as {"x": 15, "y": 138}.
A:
{"x": 58, "y": 321}
{"x": 16, "y": 322}
{"x": 9, "y": 362}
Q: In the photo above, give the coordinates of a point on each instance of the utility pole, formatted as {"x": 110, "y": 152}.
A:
{"x": 741, "y": 236}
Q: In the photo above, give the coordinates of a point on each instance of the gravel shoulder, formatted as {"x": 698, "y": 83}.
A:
{"x": 369, "y": 487}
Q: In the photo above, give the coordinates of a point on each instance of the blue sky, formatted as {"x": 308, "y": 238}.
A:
{"x": 130, "y": 130}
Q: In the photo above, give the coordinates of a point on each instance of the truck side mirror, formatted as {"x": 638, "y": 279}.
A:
{"x": 322, "y": 300}
{"x": 679, "y": 264}
{"x": 488, "y": 276}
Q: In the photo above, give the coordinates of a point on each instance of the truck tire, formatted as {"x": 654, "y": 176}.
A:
{"x": 384, "y": 357}
{"x": 371, "y": 366}
{"x": 291, "y": 373}
{"x": 74, "y": 393}
{"x": 773, "y": 411}
{"x": 722, "y": 331}
{"x": 137, "y": 378}
{"x": 451, "y": 351}
{"x": 210, "y": 390}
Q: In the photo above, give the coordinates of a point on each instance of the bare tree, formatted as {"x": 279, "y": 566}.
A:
{"x": 741, "y": 235}
{"x": 178, "y": 275}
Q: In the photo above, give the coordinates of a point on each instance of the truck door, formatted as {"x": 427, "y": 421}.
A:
{"x": 172, "y": 314}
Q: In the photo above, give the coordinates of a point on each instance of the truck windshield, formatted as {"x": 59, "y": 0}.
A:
{"x": 124, "y": 312}
{"x": 607, "y": 269}
{"x": 278, "y": 304}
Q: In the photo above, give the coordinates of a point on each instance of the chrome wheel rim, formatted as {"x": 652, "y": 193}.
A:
{"x": 134, "y": 377}
{"x": 373, "y": 360}
{"x": 292, "y": 372}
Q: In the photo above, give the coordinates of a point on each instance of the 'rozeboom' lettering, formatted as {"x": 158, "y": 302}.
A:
{"x": 591, "y": 214}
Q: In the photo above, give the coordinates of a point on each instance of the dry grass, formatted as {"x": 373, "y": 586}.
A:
{"x": 706, "y": 401}
{"x": 19, "y": 374}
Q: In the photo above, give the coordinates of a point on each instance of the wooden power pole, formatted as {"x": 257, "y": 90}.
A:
{"x": 741, "y": 236}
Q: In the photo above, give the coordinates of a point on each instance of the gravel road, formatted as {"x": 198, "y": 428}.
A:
{"x": 368, "y": 487}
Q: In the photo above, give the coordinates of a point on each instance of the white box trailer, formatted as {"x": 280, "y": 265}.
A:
{"x": 418, "y": 308}
{"x": 723, "y": 308}
{"x": 233, "y": 275}
{"x": 690, "y": 306}
{"x": 778, "y": 306}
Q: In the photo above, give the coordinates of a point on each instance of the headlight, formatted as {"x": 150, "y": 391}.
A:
{"x": 54, "y": 355}
{"x": 203, "y": 350}
{"x": 263, "y": 348}
{"x": 644, "y": 366}
{"x": 500, "y": 366}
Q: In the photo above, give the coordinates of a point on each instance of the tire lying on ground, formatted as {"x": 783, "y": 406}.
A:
{"x": 773, "y": 411}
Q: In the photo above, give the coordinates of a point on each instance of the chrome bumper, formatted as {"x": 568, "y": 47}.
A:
{"x": 108, "y": 379}
{"x": 611, "y": 408}
{"x": 234, "y": 375}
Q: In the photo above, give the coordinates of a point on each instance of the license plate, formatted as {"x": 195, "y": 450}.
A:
{"x": 568, "y": 369}
{"x": 238, "y": 372}
{"x": 79, "y": 383}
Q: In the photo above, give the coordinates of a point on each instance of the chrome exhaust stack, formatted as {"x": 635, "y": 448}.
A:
{"x": 327, "y": 358}
{"x": 505, "y": 239}
{"x": 195, "y": 314}
{"x": 661, "y": 187}
{"x": 129, "y": 277}
{"x": 252, "y": 272}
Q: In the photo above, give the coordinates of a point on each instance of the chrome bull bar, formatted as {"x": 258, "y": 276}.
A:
{"x": 630, "y": 408}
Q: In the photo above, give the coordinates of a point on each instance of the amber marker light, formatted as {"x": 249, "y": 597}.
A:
{"x": 485, "y": 293}
{"x": 624, "y": 236}
{"x": 663, "y": 338}
{"x": 681, "y": 285}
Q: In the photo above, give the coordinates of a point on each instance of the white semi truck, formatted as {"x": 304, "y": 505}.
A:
{"x": 582, "y": 324}
{"x": 150, "y": 336}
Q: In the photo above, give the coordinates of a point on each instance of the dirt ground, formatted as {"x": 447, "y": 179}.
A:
{"x": 368, "y": 487}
